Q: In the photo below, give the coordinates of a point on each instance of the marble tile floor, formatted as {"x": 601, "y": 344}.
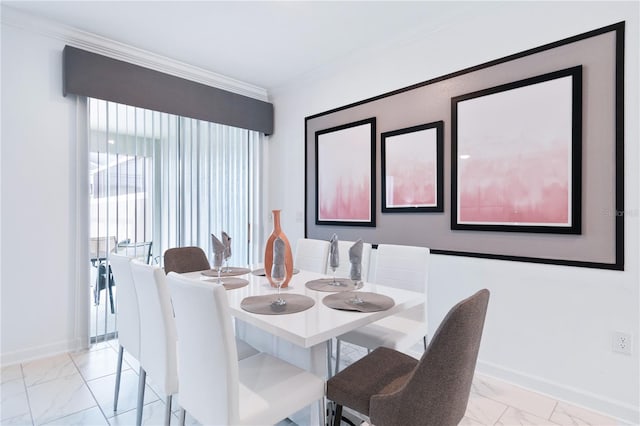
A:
{"x": 76, "y": 388}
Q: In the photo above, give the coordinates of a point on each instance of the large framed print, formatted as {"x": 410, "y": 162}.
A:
{"x": 345, "y": 174}
{"x": 412, "y": 169}
{"x": 516, "y": 156}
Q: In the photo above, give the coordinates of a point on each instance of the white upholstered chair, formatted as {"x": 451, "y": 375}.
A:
{"x": 344, "y": 270}
{"x": 311, "y": 255}
{"x": 403, "y": 267}
{"x": 128, "y": 315}
{"x": 216, "y": 388}
{"x": 157, "y": 334}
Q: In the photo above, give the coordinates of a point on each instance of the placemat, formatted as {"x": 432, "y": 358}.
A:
{"x": 324, "y": 284}
{"x": 262, "y": 304}
{"x": 226, "y": 272}
{"x": 260, "y": 272}
{"x": 372, "y": 302}
{"x": 230, "y": 283}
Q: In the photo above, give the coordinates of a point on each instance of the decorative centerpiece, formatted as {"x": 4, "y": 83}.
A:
{"x": 268, "y": 252}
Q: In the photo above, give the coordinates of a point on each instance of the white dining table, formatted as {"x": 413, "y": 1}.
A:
{"x": 304, "y": 338}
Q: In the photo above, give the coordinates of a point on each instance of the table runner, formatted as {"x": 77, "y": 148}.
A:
{"x": 263, "y": 304}
{"x": 372, "y": 302}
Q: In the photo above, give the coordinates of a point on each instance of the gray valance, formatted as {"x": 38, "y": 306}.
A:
{"x": 89, "y": 74}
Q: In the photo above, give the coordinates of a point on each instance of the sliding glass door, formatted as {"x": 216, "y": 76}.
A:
{"x": 158, "y": 181}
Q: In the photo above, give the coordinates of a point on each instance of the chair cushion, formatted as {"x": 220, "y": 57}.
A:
{"x": 382, "y": 371}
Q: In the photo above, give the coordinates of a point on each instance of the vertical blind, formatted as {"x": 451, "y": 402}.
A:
{"x": 171, "y": 181}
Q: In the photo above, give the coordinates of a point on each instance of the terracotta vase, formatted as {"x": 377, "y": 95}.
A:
{"x": 268, "y": 252}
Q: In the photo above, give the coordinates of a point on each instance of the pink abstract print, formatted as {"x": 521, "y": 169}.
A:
{"x": 410, "y": 169}
{"x": 344, "y": 175}
{"x": 514, "y": 156}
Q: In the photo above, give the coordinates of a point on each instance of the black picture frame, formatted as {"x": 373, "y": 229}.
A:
{"x": 525, "y": 174}
{"x": 420, "y": 163}
{"x": 346, "y": 155}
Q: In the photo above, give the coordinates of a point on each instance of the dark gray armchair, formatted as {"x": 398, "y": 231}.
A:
{"x": 395, "y": 389}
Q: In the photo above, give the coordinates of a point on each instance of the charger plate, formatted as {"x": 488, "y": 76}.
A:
{"x": 372, "y": 302}
{"x": 263, "y": 304}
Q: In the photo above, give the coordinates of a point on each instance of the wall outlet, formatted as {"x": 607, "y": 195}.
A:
{"x": 621, "y": 343}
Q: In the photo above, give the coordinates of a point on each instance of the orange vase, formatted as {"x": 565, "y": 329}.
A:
{"x": 268, "y": 252}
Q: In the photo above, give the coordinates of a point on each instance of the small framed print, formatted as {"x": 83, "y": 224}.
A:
{"x": 345, "y": 174}
{"x": 412, "y": 169}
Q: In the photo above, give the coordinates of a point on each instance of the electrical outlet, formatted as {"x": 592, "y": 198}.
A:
{"x": 621, "y": 343}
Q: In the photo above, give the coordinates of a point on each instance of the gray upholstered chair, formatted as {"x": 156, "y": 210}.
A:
{"x": 185, "y": 259}
{"x": 395, "y": 389}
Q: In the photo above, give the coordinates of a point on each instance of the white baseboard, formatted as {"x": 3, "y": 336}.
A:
{"x": 38, "y": 352}
{"x": 622, "y": 411}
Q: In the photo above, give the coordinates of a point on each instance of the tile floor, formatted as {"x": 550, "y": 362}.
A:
{"x": 77, "y": 389}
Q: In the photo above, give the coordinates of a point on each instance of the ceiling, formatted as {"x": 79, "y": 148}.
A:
{"x": 264, "y": 43}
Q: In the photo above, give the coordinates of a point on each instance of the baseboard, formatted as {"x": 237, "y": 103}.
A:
{"x": 38, "y": 352}
{"x": 624, "y": 412}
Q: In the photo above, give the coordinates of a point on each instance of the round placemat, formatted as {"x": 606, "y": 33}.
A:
{"x": 263, "y": 304}
{"x": 260, "y": 272}
{"x": 324, "y": 284}
{"x": 230, "y": 283}
{"x": 226, "y": 272}
{"x": 372, "y": 302}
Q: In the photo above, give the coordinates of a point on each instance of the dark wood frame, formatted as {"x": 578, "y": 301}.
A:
{"x": 574, "y": 226}
{"x": 439, "y": 189}
{"x": 372, "y": 174}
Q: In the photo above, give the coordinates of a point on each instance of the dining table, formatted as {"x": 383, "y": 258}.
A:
{"x": 303, "y": 338}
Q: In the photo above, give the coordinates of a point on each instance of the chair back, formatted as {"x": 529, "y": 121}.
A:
{"x": 185, "y": 259}
{"x": 344, "y": 269}
{"x": 311, "y": 255}
{"x": 404, "y": 267}
{"x": 157, "y": 326}
{"x": 208, "y": 366}
{"x": 140, "y": 251}
{"x": 438, "y": 390}
{"x": 128, "y": 312}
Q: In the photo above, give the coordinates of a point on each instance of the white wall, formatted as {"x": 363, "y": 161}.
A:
{"x": 38, "y": 166}
{"x": 548, "y": 327}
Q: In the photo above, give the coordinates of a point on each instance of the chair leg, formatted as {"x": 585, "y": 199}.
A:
{"x": 323, "y": 411}
{"x": 338, "y": 415}
{"x": 110, "y": 288}
{"x": 118, "y": 374}
{"x": 183, "y": 415}
{"x": 167, "y": 411}
{"x": 142, "y": 381}
{"x": 337, "y": 356}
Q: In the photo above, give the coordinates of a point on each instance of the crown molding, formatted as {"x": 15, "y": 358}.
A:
{"x": 123, "y": 52}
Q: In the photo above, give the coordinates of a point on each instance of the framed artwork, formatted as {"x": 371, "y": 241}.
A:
{"x": 345, "y": 174}
{"x": 412, "y": 169}
{"x": 516, "y": 156}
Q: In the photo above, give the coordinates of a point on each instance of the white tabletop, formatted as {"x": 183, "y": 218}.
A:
{"x": 317, "y": 324}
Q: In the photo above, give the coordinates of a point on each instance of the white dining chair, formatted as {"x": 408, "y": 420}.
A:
{"x": 157, "y": 334}
{"x": 311, "y": 255}
{"x": 344, "y": 269}
{"x": 216, "y": 388}
{"x": 128, "y": 315}
{"x": 404, "y": 267}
